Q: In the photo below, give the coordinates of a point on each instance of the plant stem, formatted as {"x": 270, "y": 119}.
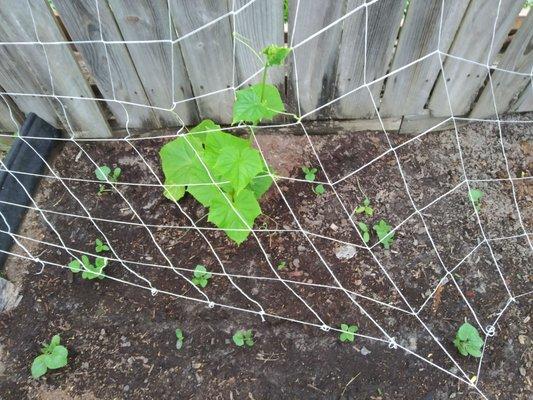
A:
{"x": 252, "y": 134}
{"x": 263, "y": 82}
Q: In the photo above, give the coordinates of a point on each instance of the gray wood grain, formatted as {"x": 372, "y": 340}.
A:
{"x": 207, "y": 53}
{"x": 407, "y": 91}
{"x": 507, "y": 87}
{"x": 24, "y": 69}
{"x": 81, "y": 21}
{"x": 383, "y": 24}
{"x": 262, "y": 24}
{"x": 149, "y": 20}
{"x": 9, "y": 112}
{"x": 312, "y": 77}
{"x": 472, "y": 42}
{"x": 524, "y": 103}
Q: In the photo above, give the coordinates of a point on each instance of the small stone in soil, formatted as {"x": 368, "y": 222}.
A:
{"x": 345, "y": 252}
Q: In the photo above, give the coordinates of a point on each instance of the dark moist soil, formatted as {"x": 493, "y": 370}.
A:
{"x": 121, "y": 338}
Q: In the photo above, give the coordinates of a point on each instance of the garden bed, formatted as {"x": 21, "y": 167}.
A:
{"x": 121, "y": 337}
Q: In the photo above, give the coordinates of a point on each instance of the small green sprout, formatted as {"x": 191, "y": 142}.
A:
{"x": 54, "y": 356}
{"x": 348, "y": 332}
{"x": 363, "y": 228}
{"x": 179, "y": 339}
{"x": 319, "y": 190}
{"x": 100, "y": 246}
{"x": 275, "y": 54}
{"x": 201, "y": 276}
{"x": 282, "y": 265}
{"x": 104, "y": 174}
{"x": 468, "y": 341}
{"x": 244, "y": 337}
{"x": 475, "y": 196}
{"x": 385, "y": 236}
{"x": 365, "y": 208}
{"x": 90, "y": 271}
{"x": 310, "y": 173}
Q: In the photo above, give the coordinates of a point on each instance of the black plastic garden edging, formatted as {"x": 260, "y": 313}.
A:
{"x": 26, "y": 158}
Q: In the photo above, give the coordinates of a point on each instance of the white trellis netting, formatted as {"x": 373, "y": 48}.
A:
{"x": 330, "y": 183}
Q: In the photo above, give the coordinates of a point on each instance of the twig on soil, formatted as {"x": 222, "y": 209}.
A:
{"x": 349, "y": 383}
{"x": 277, "y": 226}
{"x": 359, "y": 187}
{"x": 317, "y": 389}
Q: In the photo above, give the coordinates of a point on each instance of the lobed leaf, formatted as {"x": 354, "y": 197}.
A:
{"x": 239, "y": 166}
{"x": 256, "y": 103}
{"x": 224, "y": 216}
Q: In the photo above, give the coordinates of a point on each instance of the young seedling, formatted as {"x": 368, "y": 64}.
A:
{"x": 385, "y": 236}
{"x": 179, "y": 339}
{"x": 282, "y": 265}
{"x": 100, "y": 246}
{"x": 192, "y": 162}
{"x": 90, "y": 271}
{"x": 201, "y": 276}
{"x": 348, "y": 332}
{"x": 475, "y": 196}
{"x": 53, "y": 356}
{"x": 468, "y": 341}
{"x": 365, "y": 208}
{"x": 310, "y": 174}
{"x": 363, "y": 228}
{"x": 319, "y": 190}
{"x": 244, "y": 337}
{"x": 104, "y": 174}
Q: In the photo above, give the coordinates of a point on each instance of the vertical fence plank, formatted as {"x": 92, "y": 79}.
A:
{"x": 261, "y": 24}
{"x": 507, "y": 87}
{"x": 407, "y": 92}
{"x": 149, "y": 20}
{"x": 207, "y": 53}
{"x": 81, "y": 21}
{"x": 25, "y": 69}
{"x": 472, "y": 42}
{"x": 524, "y": 103}
{"x": 312, "y": 77}
{"x": 383, "y": 24}
{"x": 10, "y": 116}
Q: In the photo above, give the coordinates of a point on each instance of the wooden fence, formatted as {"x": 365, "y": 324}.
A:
{"x": 95, "y": 66}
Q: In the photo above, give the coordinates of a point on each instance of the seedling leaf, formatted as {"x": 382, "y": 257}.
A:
{"x": 385, "y": 236}
{"x": 53, "y": 356}
{"x": 201, "y": 276}
{"x": 467, "y": 341}
{"x": 319, "y": 190}
{"x": 275, "y": 54}
{"x": 250, "y": 108}
{"x": 348, "y": 332}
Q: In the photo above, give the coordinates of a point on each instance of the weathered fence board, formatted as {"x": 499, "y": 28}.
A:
{"x": 208, "y": 54}
{"x": 45, "y": 70}
{"x": 195, "y": 74}
{"x": 383, "y": 24}
{"x": 407, "y": 92}
{"x": 312, "y": 77}
{"x": 81, "y": 20}
{"x": 260, "y": 24}
{"x": 472, "y": 42}
{"x": 507, "y": 87}
{"x": 10, "y": 116}
{"x": 524, "y": 103}
{"x": 149, "y": 20}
